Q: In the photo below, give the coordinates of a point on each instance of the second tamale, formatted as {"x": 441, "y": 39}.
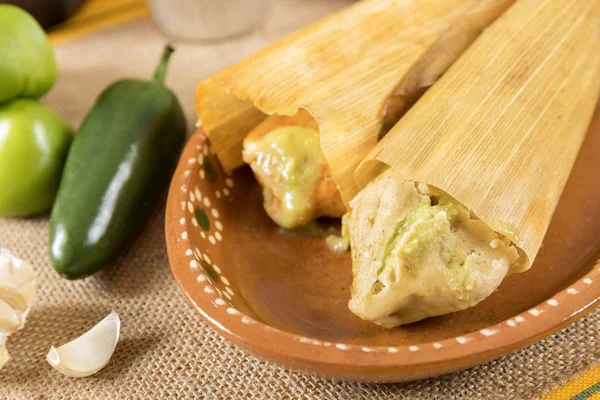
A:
{"x": 474, "y": 171}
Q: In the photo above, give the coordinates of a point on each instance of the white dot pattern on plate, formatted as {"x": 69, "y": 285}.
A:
{"x": 220, "y": 302}
{"x": 572, "y": 291}
{"x": 587, "y": 281}
{"x": 413, "y": 348}
{"x": 519, "y": 319}
{"x": 218, "y": 236}
{"x": 194, "y": 264}
{"x": 553, "y": 302}
{"x": 462, "y": 340}
{"x": 437, "y": 345}
{"x": 393, "y": 349}
{"x": 535, "y": 312}
{"x": 488, "y": 332}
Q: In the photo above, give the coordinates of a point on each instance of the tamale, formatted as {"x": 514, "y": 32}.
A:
{"x": 463, "y": 188}
{"x": 347, "y": 71}
{"x": 287, "y": 160}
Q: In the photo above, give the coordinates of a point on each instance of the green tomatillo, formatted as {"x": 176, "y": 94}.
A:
{"x": 27, "y": 64}
{"x": 34, "y": 142}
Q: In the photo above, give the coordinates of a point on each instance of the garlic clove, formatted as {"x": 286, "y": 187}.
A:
{"x": 14, "y": 272}
{"x": 90, "y": 352}
{"x": 18, "y": 286}
{"x": 28, "y": 291}
{"x": 9, "y": 320}
{"x": 12, "y": 296}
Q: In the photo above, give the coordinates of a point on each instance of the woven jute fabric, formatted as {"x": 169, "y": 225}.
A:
{"x": 166, "y": 351}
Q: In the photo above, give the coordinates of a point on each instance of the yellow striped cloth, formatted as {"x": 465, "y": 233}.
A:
{"x": 95, "y": 15}
{"x": 586, "y": 386}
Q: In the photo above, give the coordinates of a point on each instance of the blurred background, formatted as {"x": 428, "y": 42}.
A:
{"x": 181, "y": 19}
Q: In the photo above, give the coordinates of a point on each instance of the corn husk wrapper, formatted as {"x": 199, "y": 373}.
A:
{"x": 346, "y": 70}
{"x": 500, "y": 131}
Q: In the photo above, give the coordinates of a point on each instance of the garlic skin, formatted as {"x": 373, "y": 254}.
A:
{"x": 90, "y": 352}
{"x": 18, "y": 289}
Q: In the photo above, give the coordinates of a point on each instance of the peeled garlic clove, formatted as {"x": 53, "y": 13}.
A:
{"x": 18, "y": 288}
{"x": 14, "y": 271}
{"x": 13, "y": 298}
{"x": 28, "y": 291}
{"x": 90, "y": 352}
{"x": 9, "y": 320}
{"x": 16, "y": 276}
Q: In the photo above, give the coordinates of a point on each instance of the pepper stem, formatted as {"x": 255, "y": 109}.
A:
{"x": 161, "y": 70}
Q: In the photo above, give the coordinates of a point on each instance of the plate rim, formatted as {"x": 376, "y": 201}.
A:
{"x": 352, "y": 361}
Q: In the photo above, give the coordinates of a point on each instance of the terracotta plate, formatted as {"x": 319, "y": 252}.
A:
{"x": 284, "y": 297}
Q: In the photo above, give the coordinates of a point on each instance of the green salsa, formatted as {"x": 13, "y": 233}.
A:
{"x": 291, "y": 158}
{"x": 410, "y": 248}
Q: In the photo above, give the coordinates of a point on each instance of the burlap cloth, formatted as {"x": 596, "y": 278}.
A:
{"x": 166, "y": 351}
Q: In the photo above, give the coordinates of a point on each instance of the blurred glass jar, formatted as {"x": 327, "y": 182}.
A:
{"x": 207, "y": 19}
